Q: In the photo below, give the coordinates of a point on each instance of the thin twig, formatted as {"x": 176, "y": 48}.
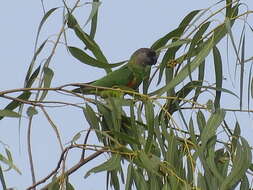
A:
{"x": 22, "y": 101}
{"x": 54, "y": 127}
{"x": 54, "y": 171}
{"x": 43, "y": 7}
{"x": 225, "y": 109}
{"x": 60, "y": 88}
{"x": 84, "y": 143}
{"x": 30, "y": 151}
{"x": 40, "y": 84}
{"x": 71, "y": 170}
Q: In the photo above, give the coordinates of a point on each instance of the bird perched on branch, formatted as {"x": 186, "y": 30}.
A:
{"x": 129, "y": 76}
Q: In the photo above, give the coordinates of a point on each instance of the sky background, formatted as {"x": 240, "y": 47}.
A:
{"x": 123, "y": 27}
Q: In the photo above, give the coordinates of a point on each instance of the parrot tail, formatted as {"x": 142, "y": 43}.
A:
{"x": 83, "y": 89}
{"x": 77, "y": 90}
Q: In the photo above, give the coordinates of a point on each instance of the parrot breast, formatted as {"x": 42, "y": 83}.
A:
{"x": 133, "y": 83}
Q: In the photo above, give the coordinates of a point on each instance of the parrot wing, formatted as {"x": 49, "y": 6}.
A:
{"x": 119, "y": 77}
{"x": 122, "y": 77}
{"x": 130, "y": 75}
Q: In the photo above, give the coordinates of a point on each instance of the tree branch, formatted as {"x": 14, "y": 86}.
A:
{"x": 71, "y": 170}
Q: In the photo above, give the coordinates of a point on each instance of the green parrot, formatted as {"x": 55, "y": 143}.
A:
{"x": 129, "y": 76}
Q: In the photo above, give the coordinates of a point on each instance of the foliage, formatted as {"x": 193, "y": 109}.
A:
{"x": 176, "y": 133}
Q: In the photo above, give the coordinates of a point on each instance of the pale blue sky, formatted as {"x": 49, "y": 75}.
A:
{"x": 124, "y": 26}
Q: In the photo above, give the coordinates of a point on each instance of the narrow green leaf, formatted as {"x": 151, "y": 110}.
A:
{"x": 188, "y": 18}
{"x": 9, "y": 113}
{"x": 10, "y": 160}
{"x": 2, "y": 179}
{"x": 107, "y": 116}
{"x": 160, "y": 139}
{"x": 196, "y": 38}
{"x": 75, "y": 138}
{"x": 188, "y": 68}
{"x": 192, "y": 132}
{"x": 235, "y": 137}
{"x": 241, "y": 163}
{"x": 228, "y": 7}
{"x": 71, "y": 21}
{"x": 129, "y": 179}
{"x": 69, "y": 186}
{"x": 251, "y": 167}
{"x": 211, "y": 161}
{"x": 94, "y": 10}
{"x": 115, "y": 105}
{"x": 218, "y": 75}
{"x": 177, "y": 32}
{"x": 94, "y": 20}
{"x": 91, "y": 117}
{"x": 228, "y": 27}
{"x": 14, "y": 104}
{"x": 212, "y": 124}
{"x": 174, "y": 106}
{"x": 45, "y": 17}
{"x": 201, "y": 121}
{"x": 54, "y": 185}
{"x": 201, "y": 181}
{"x": 196, "y": 44}
{"x": 149, "y": 113}
{"x": 173, "y": 152}
{"x": 8, "y": 153}
{"x": 169, "y": 71}
{"x": 166, "y": 186}
{"x": 125, "y": 138}
{"x": 171, "y": 51}
{"x": 221, "y": 89}
{"x": 112, "y": 164}
{"x": 222, "y": 163}
{"x": 242, "y": 72}
{"x": 48, "y": 76}
{"x": 176, "y": 43}
{"x": 245, "y": 183}
{"x": 201, "y": 74}
{"x": 43, "y": 20}
{"x": 85, "y": 58}
{"x": 190, "y": 169}
{"x": 114, "y": 180}
{"x": 162, "y": 41}
{"x": 231, "y": 13}
{"x": 88, "y": 41}
{"x": 196, "y": 41}
{"x": 139, "y": 180}
{"x": 33, "y": 77}
{"x": 146, "y": 82}
{"x": 150, "y": 162}
{"x": 9, "y": 163}
{"x": 250, "y": 89}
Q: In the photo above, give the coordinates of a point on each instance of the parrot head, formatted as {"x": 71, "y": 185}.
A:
{"x": 145, "y": 57}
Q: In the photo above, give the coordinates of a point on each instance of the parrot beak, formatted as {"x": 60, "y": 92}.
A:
{"x": 154, "y": 58}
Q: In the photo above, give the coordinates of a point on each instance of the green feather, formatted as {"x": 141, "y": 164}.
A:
{"x": 120, "y": 77}
{"x": 134, "y": 72}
